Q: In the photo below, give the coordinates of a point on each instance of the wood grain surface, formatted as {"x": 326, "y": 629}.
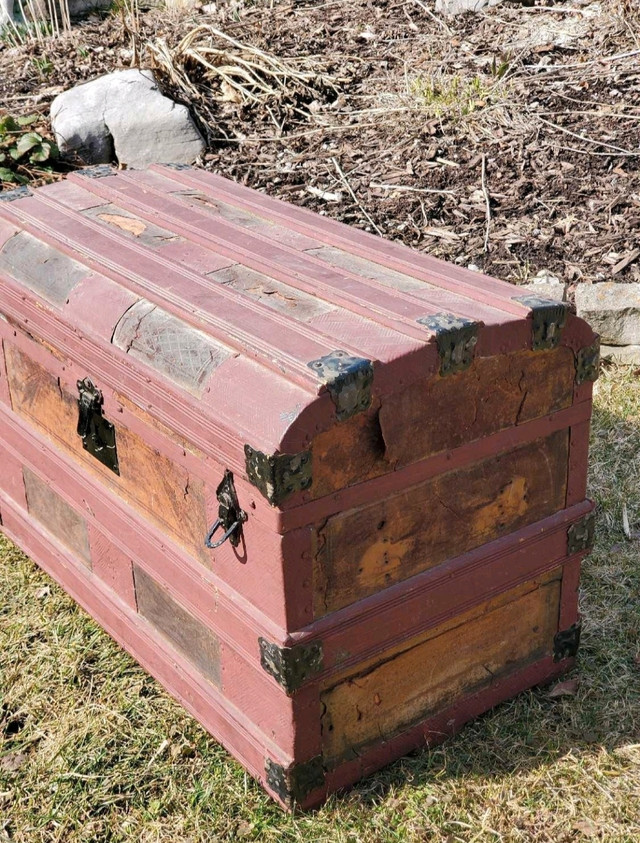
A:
{"x": 369, "y": 548}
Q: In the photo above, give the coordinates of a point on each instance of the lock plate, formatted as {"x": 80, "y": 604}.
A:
{"x": 97, "y": 433}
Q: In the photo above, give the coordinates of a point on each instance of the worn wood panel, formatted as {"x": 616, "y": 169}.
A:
{"x": 364, "y": 550}
{"x": 493, "y": 394}
{"x": 349, "y": 453}
{"x": 187, "y": 634}
{"x": 453, "y": 663}
{"x": 112, "y": 566}
{"x": 54, "y": 513}
{"x": 436, "y": 414}
{"x": 296, "y": 304}
{"x": 40, "y": 267}
{"x": 131, "y": 225}
{"x": 163, "y": 490}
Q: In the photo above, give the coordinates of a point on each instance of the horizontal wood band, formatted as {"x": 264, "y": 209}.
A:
{"x": 360, "y": 630}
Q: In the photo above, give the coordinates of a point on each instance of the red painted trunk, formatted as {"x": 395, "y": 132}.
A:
{"x": 291, "y": 467}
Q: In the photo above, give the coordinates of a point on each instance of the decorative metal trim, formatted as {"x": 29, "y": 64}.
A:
{"x": 291, "y": 666}
{"x": 280, "y": 475}
{"x": 566, "y": 642}
{"x": 17, "y": 193}
{"x": 348, "y": 380}
{"x": 98, "y": 434}
{"x": 296, "y": 782}
{"x": 588, "y": 363}
{"x": 456, "y": 339}
{"x": 97, "y": 172}
{"x": 548, "y": 318}
{"x": 580, "y": 535}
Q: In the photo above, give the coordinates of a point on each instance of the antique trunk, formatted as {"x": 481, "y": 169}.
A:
{"x": 329, "y": 491}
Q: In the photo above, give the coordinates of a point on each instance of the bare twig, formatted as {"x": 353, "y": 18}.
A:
{"x": 344, "y": 181}
{"x": 433, "y": 17}
{"x": 487, "y": 203}
{"x": 604, "y": 144}
{"x": 410, "y": 189}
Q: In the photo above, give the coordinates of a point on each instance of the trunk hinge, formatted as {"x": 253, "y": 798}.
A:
{"x": 580, "y": 535}
{"x": 588, "y": 363}
{"x": 291, "y": 666}
{"x": 548, "y": 318}
{"x": 295, "y": 783}
{"x": 456, "y": 340}
{"x": 279, "y": 475}
{"x": 566, "y": 642}
{"x": 348, "y": 380}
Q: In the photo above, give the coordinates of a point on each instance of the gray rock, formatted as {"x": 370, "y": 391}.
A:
{"x": 123, "y": 115}
{"x": 629, "y": 354}
{"x": 612, "y": 309}
{"x": 79, "y": 8}
{"x": 6, "y": 11}
{"x": 546, "y": 286}
{"x": 458, "y": 7}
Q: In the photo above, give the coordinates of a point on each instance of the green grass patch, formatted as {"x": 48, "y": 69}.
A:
{"x": 92, "y": 749}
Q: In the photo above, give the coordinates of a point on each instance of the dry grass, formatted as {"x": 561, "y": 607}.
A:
{"x": 208, "y": 64}
{"x": 102, "y": 754}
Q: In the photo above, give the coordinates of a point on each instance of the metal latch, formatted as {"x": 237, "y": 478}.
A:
{"x": 98, "y": 434}
{"x": 230, "y": 515}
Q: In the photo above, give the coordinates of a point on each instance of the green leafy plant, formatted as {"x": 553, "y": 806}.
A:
{"x": 24, "y": 153}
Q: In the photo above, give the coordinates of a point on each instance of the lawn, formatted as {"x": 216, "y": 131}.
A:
{"x": 92, "y": 749}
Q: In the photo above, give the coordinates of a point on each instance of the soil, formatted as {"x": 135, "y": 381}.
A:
{"x": 508, "y": 139}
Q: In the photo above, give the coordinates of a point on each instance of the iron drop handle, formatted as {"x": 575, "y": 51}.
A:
{"x": 228, "y": 533}
{"x": 230, "y": 516}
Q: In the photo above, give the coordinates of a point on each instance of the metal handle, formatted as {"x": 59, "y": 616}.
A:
{"x": 216, "y": 526}
{"x": 230, "y": 515}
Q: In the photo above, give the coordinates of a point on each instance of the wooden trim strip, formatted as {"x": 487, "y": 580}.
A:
{"x": 312, "y": 275}
{"x": 400, "y": 258}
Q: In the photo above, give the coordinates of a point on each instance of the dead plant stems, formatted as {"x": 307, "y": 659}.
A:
{"x": 343, "y": 179}
{"x": 487, "y": 203}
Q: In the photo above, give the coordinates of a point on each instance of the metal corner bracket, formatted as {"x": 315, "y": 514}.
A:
{"x": 580, "y": 535}
{"x": 348, "y": 380}
{"x": 548, "y": 318}
{"x": 295, "y": 783}
{"x": 566, "y": 642}
{"x": 291, "y": 666}
{"x": 456, "y": 339}
{"x": 588, "y": 363}
{"x": 279, "y": 475}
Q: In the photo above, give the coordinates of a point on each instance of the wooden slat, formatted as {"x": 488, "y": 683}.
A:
{"x": 362, "y": 551}
{"x": 452, "y": 662}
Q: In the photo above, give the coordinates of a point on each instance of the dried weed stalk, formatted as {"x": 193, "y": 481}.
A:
{"x": 208, "y": 64}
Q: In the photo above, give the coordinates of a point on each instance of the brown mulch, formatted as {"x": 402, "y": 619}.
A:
{"x": 508, "y": 139}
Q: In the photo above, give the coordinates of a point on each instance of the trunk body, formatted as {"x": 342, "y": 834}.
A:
{"x": 392, "y": 452}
